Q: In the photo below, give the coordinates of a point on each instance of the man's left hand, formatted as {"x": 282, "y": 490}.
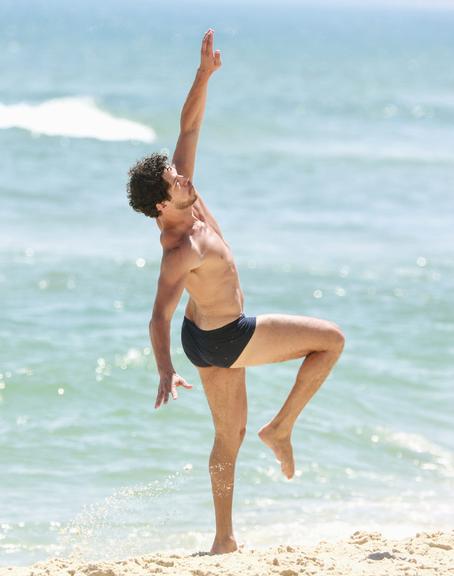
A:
{"x": 209, "y": 61}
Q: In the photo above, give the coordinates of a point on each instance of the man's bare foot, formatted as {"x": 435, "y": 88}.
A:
{"x": 281, "y": 446}
{"x": 224, "y": 546}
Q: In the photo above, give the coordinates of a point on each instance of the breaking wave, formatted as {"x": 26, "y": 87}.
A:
{"x": 76, "y": 117}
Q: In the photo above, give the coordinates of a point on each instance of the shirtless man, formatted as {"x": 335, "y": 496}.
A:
{"x": 216, "y": 335}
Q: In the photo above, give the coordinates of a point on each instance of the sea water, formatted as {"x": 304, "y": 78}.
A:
{"x": 327, "y": 157}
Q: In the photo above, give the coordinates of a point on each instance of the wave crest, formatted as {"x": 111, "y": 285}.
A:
{"x": 76, "y": 117}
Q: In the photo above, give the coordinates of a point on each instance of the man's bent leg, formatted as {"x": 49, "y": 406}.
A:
{"x": 280, "y": 337}
{"x": 277, "y": 433}
{"x": 225, "y": 389}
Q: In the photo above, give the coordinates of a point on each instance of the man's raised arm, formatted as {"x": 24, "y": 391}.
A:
{"x": 194, "y": 108}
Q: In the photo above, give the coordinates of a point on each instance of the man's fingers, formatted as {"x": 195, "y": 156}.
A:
{"x": 217, "y": 57}
{"x": 205, "y": 36}
{"x": 204, "y": 41}
{"x": 170, "y": 388}
{"x": 209, "y": 44}
{"x": 182, "y": 382}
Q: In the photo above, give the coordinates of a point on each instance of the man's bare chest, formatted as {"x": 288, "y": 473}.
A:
{"x": 213, "y": 250}
{"x": 216, "y": 276}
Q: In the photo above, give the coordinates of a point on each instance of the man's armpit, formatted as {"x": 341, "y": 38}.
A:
{"x": 206, "y": 215}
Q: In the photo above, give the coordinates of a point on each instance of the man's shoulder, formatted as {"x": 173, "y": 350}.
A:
{"x": 172, "y": 240}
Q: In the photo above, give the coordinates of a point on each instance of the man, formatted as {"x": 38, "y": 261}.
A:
{"x": 216, "y": 335}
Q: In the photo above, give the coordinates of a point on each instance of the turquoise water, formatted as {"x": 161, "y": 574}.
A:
{"x": 327, "y": 158}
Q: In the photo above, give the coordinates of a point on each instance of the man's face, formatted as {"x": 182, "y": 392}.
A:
{"x": 181, "y": 190}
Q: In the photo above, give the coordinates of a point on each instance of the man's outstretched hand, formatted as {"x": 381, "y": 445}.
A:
{"x": 168, "y": 385}
{"x": 209, "y": 61}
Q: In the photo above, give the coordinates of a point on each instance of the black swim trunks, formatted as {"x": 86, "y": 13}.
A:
{"x": 218, "y": 347}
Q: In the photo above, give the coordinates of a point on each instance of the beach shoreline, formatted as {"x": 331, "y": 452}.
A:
{"x": 362, "y": 553}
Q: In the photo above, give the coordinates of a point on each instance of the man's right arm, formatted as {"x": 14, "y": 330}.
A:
{"x": 176, "y": 264}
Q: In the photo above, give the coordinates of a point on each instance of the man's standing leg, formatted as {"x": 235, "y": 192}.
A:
{"x": 225, "y": 389}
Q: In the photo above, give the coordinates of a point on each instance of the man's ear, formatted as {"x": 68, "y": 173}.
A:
{"x": 161, "y": 206}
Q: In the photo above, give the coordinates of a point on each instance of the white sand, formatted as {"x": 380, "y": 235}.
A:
{"x": 363, "y": 553}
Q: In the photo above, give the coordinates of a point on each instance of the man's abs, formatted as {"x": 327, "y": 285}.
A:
{"x": 215, "y": 317}
{"x": 214, "y": 287}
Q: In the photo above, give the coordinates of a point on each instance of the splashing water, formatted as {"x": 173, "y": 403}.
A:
{"x": 113, "y": 528}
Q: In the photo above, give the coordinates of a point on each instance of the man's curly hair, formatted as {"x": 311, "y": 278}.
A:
{"x": 146, "y": 186}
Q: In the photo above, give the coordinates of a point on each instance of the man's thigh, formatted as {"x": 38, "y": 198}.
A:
{"x": 281, "y": 337}
{"x": 225, "y": 389}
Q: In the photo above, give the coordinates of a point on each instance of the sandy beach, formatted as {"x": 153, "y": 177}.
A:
{"x": 363, "y": 553}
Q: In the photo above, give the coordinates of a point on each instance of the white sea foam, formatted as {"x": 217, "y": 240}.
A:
{"x": 442, "y": 459}
{"x": 76, "y": 117}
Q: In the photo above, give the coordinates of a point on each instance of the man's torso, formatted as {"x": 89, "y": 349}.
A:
{"x": 214, "y": 287}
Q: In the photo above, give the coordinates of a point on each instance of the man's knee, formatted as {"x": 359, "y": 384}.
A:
{"x": 242, "y": 433}
{"x": 337, "y": 338}
{"x": 232, "y": 435}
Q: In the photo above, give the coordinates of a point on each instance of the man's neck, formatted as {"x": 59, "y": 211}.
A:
{"x": 183, "y": 222}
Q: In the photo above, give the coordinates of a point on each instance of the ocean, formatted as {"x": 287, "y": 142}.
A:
{"x": 327, "y": 157}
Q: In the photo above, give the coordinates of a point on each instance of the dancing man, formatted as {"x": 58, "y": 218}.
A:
{"x": 217, "y": 336}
